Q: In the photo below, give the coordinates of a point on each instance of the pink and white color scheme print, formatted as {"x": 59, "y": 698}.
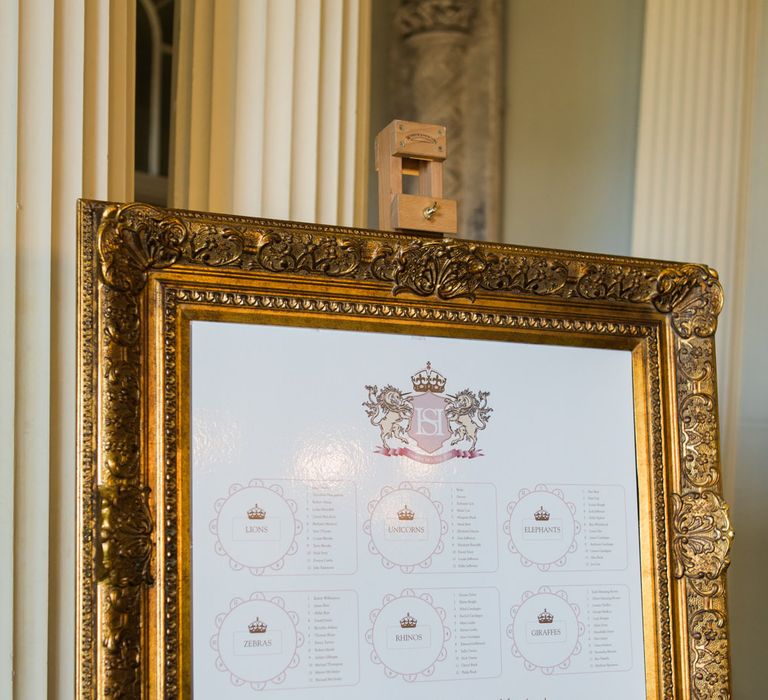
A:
{"x": 405, "y": 527}
{"x": 257, "y": 641}
{"x": 408, "y": 635}
{"x": 409, "y": 575}
{"x": 256, "y": 527}
{"x": 425, "y": 419}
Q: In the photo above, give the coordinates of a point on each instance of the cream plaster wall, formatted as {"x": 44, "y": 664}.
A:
{"x": 572, "y": 93}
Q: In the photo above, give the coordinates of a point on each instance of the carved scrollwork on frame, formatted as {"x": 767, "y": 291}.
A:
{"x": 533, "y": 274}
{"x": 134, "y": 239}
{"x": 216, "y": 247}
{"x": 452, "y": 270}
{"x": 697, "y": 412}
{"x": 445, "y": 270}
{"x": 126, "y": 552}
{"x": 693, "y": 297}
{"x": 618, "y": 282}
{"x": 126, "y": 535}
{"x": 121, "y": 393}
{"x": 698, "y": 424}
{"x": 286, "y": 252}
{"x": 121, "y": 640}
{"x": 131, "y": 240}
{"x": 701, "y": 535}
{"x": 121, "y": 318}
{"x": 709, "y": 655}
{"x": 695, "y": 361}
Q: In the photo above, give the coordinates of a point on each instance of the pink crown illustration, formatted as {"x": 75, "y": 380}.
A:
{"x": 428, "y": 379}
{"x": 405, "y": 514}
{"x": 541, "y": 514}
{"x": 408, "y": 622}
{"x": 546, "y": 618}
{"x": 257, "y": 627}
{"x": 256, "y": 513}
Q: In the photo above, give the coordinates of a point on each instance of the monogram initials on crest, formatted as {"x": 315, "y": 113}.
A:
{"x": 425, "y": 419}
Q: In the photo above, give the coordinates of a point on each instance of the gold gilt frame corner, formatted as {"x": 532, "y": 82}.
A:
{"x": 144, "y": 270}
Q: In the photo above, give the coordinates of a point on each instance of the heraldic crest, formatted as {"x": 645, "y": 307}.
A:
{"x": 426, "y": 418}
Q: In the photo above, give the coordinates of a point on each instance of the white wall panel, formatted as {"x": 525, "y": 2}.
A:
{"x": 33, "y": 347}
{"x": 307, "y": 86}
{"x": 249, "y": 107}
{"x": 331, "y": 110}
{"x": 357, "y": 139}
{"x": 9, "y": 55}
{"x": 68, "y": 168}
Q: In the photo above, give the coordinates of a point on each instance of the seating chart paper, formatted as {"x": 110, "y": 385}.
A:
{"x": 395, "y": 517}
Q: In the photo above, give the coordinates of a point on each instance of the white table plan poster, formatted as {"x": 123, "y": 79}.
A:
{"x": 384, "y": 516}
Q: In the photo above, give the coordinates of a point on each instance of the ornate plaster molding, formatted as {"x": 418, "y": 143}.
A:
{"x": 418, "y": 16}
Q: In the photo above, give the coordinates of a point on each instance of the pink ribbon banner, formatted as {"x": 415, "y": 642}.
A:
{"x": 428, "y": 459}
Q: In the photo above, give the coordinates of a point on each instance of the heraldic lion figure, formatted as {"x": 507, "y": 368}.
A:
{"x": 390, "y": 409}
{"x": 468, "y": 413}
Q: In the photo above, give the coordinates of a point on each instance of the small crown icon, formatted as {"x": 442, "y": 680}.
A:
{"x": 408, "y": 622}
{"x": 428, "y": 379}
{"x": 546, "y": 618}
{"x": 541, "y": 514}
{"x": 256, "y": 513}
{"x": 257, "y": 627}
{"x": 405, "y": 514}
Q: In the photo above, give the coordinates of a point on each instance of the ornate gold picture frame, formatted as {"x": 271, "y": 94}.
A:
{"x": 146, "y": 274}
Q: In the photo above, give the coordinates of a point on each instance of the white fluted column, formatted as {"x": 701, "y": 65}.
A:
{"x": 694, "y": 140}
{"x": 271, "y": 111}
{"x": 9, "y": 61}
{"x": 66, "y": 131}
